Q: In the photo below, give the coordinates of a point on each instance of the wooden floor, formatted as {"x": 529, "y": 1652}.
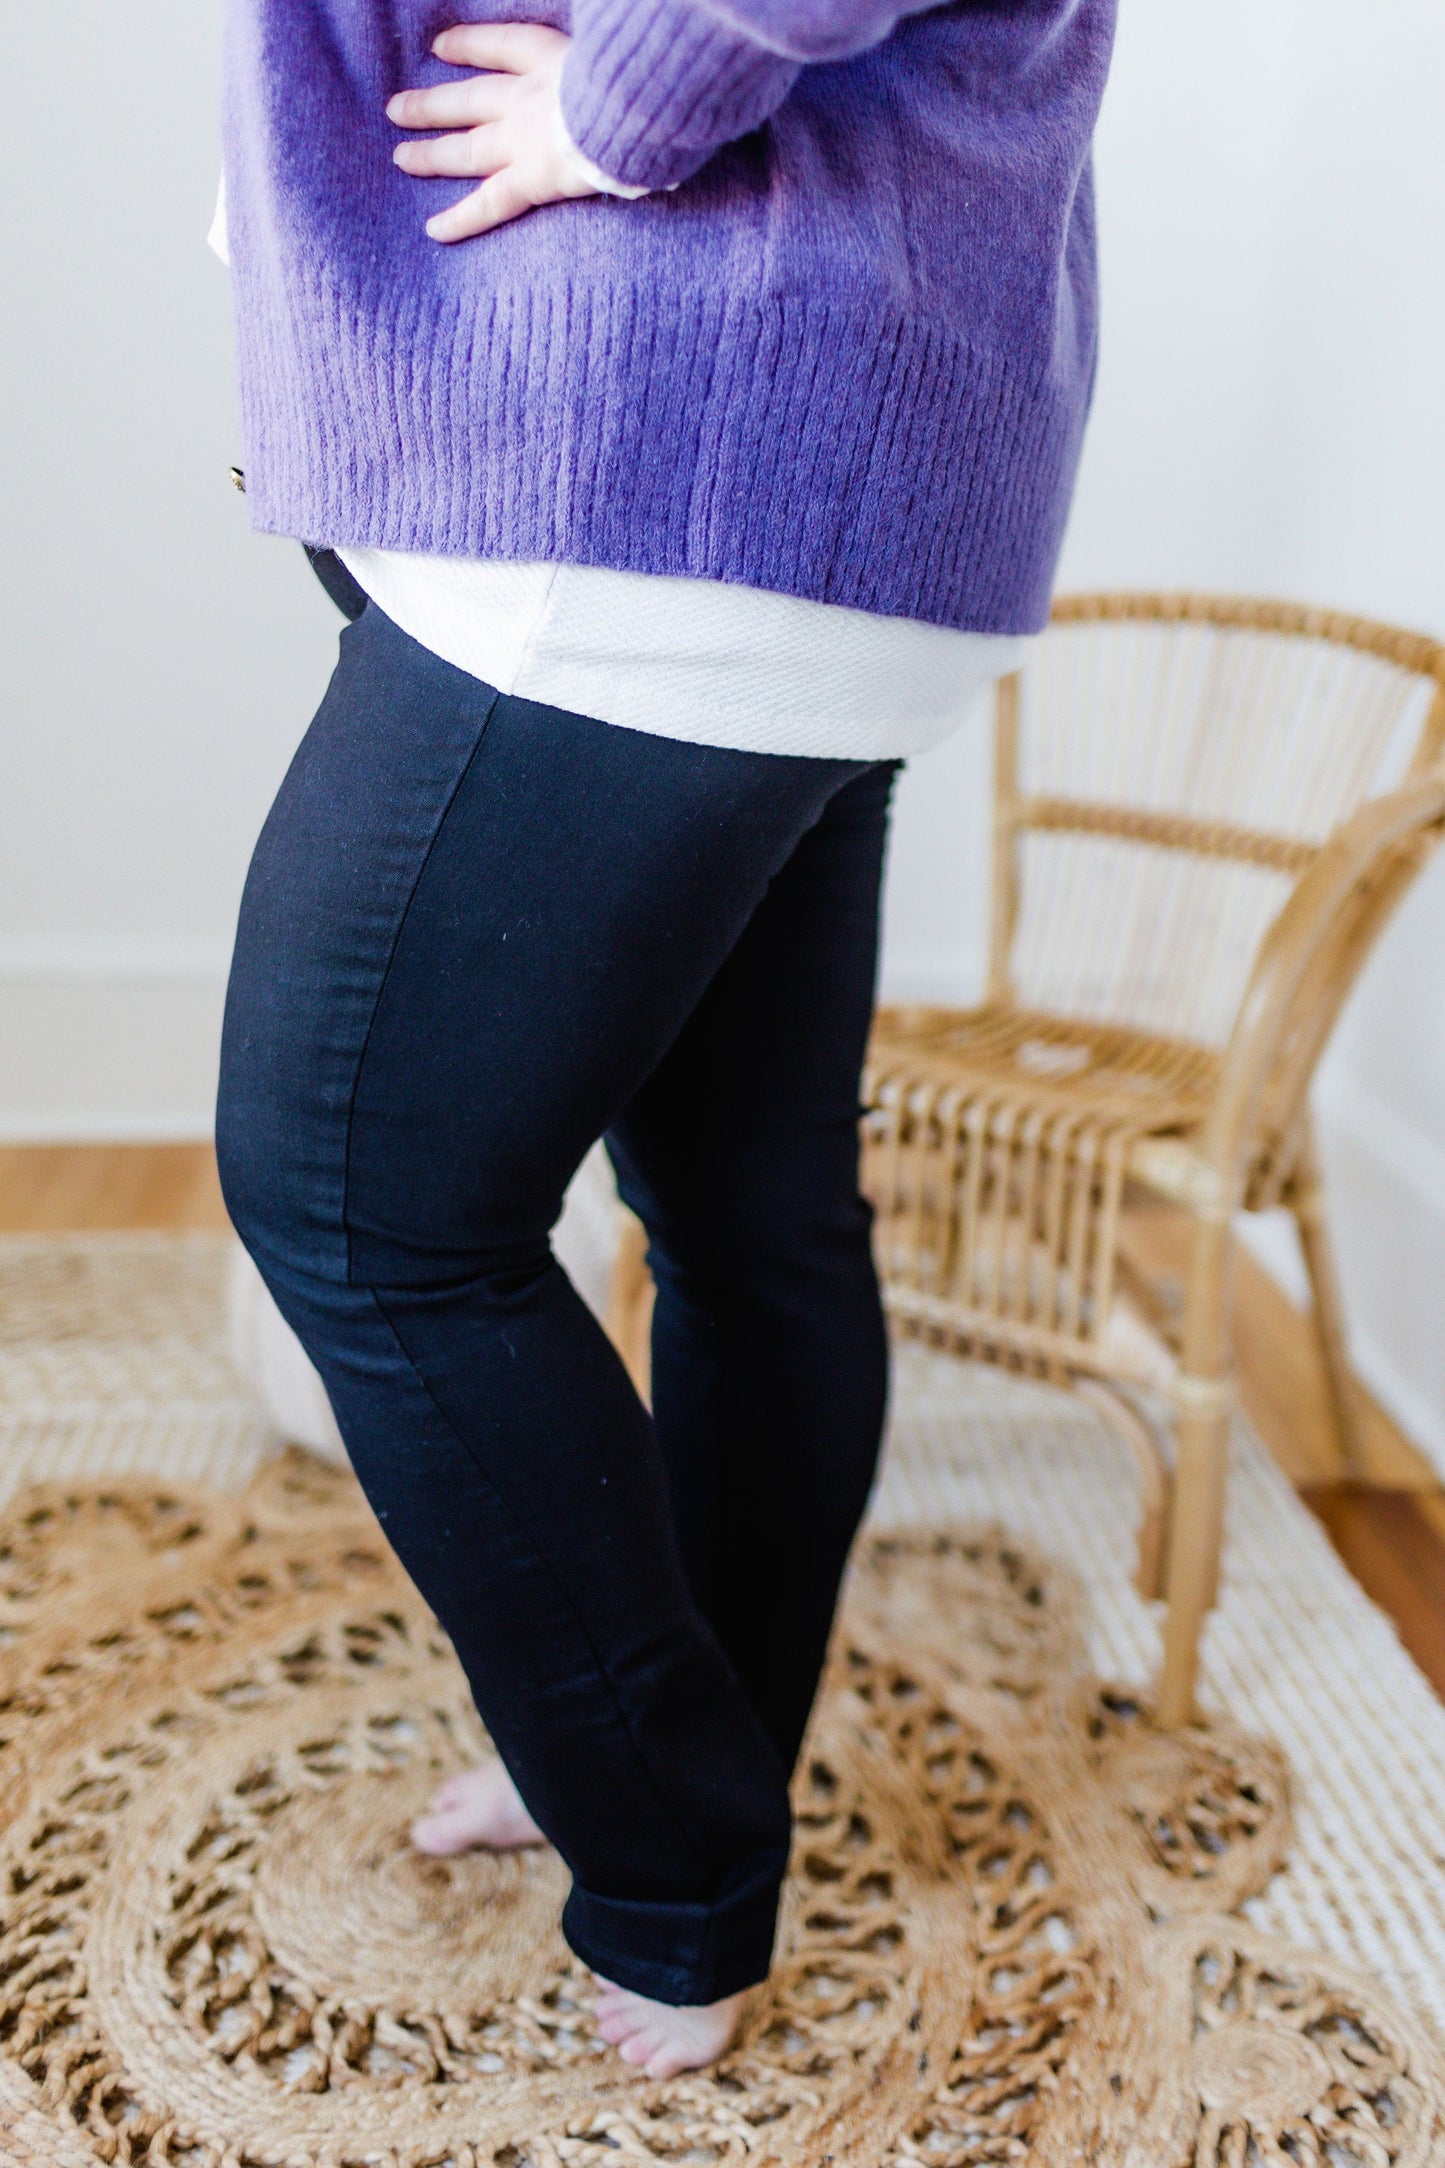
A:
{"x": 96, "y": 1188}
{"x": 1389, "y": 1528}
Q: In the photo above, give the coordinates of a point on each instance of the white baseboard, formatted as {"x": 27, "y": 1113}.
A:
{"x": 118, "y": 1041}
{"x": 108, "y": 1042}
{"x": 63, "y": 959}
{"x": 1386, "y": 1188}
{"x": 948, "y": 975}
{"x": 1271, "y": 1239}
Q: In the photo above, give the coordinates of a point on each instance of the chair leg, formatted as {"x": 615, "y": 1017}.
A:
{"x": 1307, "y": 1202}
{"x": 1196, "y": 1534}
{"x": 629, "y": 1304}
{"x": 1155, "y": 1481}
{"x": 1204, "y": 1400}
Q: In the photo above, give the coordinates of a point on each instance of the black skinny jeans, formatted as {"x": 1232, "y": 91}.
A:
{"x": 477, "y": 934}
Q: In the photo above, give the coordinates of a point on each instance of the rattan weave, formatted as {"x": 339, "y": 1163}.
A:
{"x": 1013, "y": 1930}
{"x": 1204, "y": 811}
{"x": 1007, "y": 1933}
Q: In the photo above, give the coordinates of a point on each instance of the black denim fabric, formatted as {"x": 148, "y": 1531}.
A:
{"x": 478, "y": 934}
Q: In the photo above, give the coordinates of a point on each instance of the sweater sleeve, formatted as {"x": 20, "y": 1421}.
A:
{"x": 652, "y": 88}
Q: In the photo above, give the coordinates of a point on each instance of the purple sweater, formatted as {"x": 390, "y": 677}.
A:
{"x": 848, "y": 358}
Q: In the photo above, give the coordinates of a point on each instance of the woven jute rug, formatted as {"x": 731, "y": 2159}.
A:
{"x": 1021, "y": 1925}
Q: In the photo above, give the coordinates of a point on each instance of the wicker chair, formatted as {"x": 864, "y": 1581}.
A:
{"x": 1204, "y": 813}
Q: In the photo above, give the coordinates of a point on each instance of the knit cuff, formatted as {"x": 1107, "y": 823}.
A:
{"x": 651, "y": 88}
{"x": 592, "y": 174}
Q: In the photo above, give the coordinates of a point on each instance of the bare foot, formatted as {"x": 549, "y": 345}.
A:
{"x": 662, "y": 2039}
{"x": 477, "y": 1806}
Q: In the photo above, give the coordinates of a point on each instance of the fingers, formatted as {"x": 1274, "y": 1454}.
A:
{"x": 451, "y": 105}
{"x": 511, "y": 47}
{"x": 493, "y": 204}
{"x": 503, "y": 125}
{"x": 480, "y": 150}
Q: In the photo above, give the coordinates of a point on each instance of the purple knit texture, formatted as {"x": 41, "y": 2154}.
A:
{"x": 848, "y": 358}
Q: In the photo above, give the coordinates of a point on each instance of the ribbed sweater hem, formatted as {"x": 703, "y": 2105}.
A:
{"x": 819, "y": 450}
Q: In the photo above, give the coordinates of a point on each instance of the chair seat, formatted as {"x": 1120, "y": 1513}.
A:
{"x": 1156, "y": 1091}
{"x": 998, "y": 1147}
{"x": 1162, "y": 1086}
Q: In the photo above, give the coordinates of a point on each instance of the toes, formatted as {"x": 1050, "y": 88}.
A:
{"x": 623, "y": 2024}
{"x": 668, "y": 2061}
{"x": 440, "y": 1832}
{"x": 448, "y": 1797}
{"x": 657, "y": 2040}
{"x": 660, "y": 2040}
{"x": 644, "y": 2046}
{"x": 617, "y": 1998}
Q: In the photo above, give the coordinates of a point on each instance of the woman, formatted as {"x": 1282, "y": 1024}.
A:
{"x": 681, "y": 508}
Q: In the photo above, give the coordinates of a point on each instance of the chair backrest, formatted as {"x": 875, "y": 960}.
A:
{"x": 1166, "y": 769}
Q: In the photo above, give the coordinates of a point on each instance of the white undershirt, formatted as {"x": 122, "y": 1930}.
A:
{"x": 699, "y": 660}
{"x": 693, "y": 659}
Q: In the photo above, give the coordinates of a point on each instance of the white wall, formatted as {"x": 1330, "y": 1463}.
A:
{"x": 1269, "y": 419}
{"x": 158, "y": 662}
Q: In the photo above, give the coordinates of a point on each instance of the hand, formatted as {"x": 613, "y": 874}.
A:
{"x": 511, "y": 118}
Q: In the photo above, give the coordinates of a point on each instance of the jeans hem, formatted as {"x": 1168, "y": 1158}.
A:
{"x": 677, "y": 1953}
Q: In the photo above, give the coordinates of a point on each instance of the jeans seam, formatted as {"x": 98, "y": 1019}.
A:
{"x": 603, "y": 1673}
{"x": 385, "y": 975}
